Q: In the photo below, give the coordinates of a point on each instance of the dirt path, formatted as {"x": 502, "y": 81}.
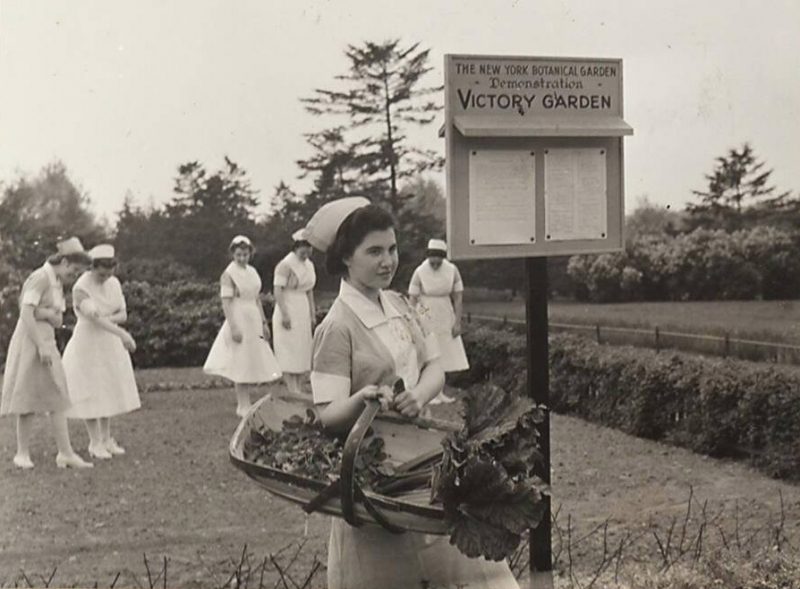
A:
{"x": 175, "y": 494}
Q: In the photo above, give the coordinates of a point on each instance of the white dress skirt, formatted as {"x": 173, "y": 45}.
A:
{"x": 250, "y": 361}
{"x": 434, "y": 288}
{"x": 293, "y": 346}
{"x": 98, "y": 367}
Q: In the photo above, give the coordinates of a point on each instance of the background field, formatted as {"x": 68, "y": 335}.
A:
{"x": 775, "y": 321}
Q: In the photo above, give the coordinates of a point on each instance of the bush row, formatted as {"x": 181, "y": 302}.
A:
{"x": 760, "y": 263}
{"x": 718, "y": 407}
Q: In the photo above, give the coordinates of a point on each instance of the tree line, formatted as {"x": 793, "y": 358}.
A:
{"x": 362, "y": 146}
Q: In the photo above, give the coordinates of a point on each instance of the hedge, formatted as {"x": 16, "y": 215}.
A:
{"x": 718, "y": 407}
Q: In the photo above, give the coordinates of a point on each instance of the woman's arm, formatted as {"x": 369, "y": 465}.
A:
{"x": 458, "y": 308}
{"x": 119, "y": 317}
{"x": 52, "y": 316}
{"x": 227, "y": 310}
{"x": 313, "y": 308}
{"x": 341, "y": 414}
{"x": 227, "y": 292}
{"x": 84, "y": 304}
{"x": 29, "y": 321}
{"x": 280, "y": 300}
{"x": 264, "y": 321}
{"x": 431, "y": 381}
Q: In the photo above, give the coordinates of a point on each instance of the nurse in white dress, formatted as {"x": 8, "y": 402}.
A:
{"x": 97, "y": 358}
{"x": 294, "y": 315}
{"x": 241, "y": 351}
{"x": 436, "y": 289}
{"x": 34, "y": 380}
{"x": 370, "y": 337}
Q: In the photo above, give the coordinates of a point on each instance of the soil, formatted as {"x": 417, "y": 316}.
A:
{"x": 175, "y": 495}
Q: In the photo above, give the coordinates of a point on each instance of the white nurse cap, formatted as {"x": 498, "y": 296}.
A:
{"x": 102, "y": 252}
{"x": 321, "y": 229}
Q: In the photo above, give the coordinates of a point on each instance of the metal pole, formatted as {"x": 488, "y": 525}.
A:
{"x": 538, "y": 388}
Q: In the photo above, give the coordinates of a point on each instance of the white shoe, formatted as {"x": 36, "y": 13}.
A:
{"x": 23, "y": 462}
{"x": 74, "y": 461}
{"x": 99, "y": 451}
{"x": 114, "y": 448}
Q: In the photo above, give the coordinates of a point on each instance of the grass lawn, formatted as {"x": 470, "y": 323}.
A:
{"x": 175, "y": 495}
{"x": 774, "y": 321}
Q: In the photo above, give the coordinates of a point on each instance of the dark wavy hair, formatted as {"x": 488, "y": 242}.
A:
{"x": 355, "y": 227}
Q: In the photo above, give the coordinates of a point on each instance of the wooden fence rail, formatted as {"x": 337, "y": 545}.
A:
{"x": 714, "y": 345}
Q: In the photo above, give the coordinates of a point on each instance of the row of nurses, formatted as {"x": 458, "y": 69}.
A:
{"x": 95, "y": 380}
{"x": 241, "y": 352}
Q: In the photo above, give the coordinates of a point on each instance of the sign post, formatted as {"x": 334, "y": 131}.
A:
{"x": 534, "y": 169}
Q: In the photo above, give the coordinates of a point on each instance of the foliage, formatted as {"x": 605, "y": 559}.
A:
{"x": 11, "y": 281}
{"x": 173, "y": 324}
{"x": 486, "y": 479}
{"x": 304, "y": 448}
{"x": 713, "y": 406}
{"x": 36, "y": 212}
{"x": 161, "y": 271}
{"x": 757, "y": 263}
{"x": 738, "y": 194}
{"x": 196, "y": 226}
{"x": 650, "y": 219}
{"x": 381, "y": 96}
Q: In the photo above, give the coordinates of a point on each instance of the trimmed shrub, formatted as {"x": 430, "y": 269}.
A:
{"x": 718, "y": 407}
{"x": 759, "y": 263}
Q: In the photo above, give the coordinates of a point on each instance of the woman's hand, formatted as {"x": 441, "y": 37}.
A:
{"x": 236, "y": 334}
{"x": 128, "y": 342}
{"x": 51, "y": 316}
{"x": 286, "y": 321}
{"x": 382, "y": 394}
{"x": 456, "y": 331}
{"x": 406, "y": 403}
{"x": 45, "y": 355}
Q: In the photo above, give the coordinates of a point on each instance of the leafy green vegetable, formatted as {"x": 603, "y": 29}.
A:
{"x": 486, "y": 481}
{"x": 302, "y": 447}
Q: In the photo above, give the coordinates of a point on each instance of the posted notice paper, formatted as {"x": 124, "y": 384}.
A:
{"x": 502, "y": 197}
{"x": 575, "y": 194}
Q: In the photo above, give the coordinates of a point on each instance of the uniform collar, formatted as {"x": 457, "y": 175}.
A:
{"x": 366, "y": 310}
{"x": 445, "y": 264}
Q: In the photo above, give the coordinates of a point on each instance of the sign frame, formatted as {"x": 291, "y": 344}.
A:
{"x": 532, "y": 131}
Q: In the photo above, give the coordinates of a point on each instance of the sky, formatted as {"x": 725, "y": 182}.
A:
{"x": 123, "y": 92}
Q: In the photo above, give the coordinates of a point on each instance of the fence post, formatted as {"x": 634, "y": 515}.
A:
{"x": 658, "y": 344}
{"x": 469, "y": 317}
{"x": 597, "y": 330}
{"x": 505, "y": 320}
{"x": 727, "y": 350}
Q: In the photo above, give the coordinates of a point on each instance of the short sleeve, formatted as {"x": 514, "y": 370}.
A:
{"x": 415, "y": 286}
{"x": 78, "y": 296}
{"x": 331, "y": 363}
{"x": 227, "y": 289}
{"x": 282, "y": 275}
{"x": 34, "y": 289}
{"x": 458, "y": 284}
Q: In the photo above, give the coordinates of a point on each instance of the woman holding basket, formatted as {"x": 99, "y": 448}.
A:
{"x": 368, "y": 339}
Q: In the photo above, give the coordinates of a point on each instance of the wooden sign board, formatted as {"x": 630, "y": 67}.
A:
{"x": 534, "y": 156}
